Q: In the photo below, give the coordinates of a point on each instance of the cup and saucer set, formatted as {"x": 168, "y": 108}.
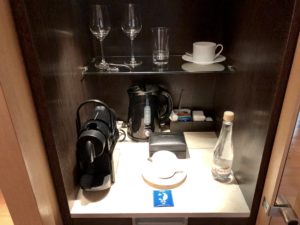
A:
{"x": 164, "y": 170}
{"x": 205, "y": 57}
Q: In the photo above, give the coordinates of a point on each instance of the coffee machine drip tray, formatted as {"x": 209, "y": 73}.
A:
{"x": 105, "y": 185}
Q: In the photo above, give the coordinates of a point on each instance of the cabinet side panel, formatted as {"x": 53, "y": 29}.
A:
{"x": 261, "y": 51}
{"x": 53, "y": 52}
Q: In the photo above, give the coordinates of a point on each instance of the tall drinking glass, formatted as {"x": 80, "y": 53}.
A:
{"x": 160, "y": 51}
{"x": 131, "y": 26}
{"x": 100, "y": 27}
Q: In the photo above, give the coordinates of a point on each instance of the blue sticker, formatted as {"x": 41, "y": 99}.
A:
{"x": 163, "y": 198}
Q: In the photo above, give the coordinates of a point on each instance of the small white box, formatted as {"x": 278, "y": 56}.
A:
{"x": 198, "y": 115}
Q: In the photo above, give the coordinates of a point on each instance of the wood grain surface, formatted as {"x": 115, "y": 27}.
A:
{"x": 51, "y": 39}
{"x": 290, "y": 182}
{"x": 25, "y": 176}
{"x": 255, "y": 93}
{"x": 283, "y": 139}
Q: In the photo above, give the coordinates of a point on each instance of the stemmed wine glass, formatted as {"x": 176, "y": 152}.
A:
{"x": 100, "y": 27}
{"x": 131, "y": 26}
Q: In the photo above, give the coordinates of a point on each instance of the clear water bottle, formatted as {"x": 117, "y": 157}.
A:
{"x": 223, "y": 151}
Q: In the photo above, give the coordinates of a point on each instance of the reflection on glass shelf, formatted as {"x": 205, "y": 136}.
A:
{"x": 175, "y": 66}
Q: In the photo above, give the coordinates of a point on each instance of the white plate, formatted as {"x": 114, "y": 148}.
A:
{"x": 189, "y": 58}
{"x": 150, "y": 176}
{"x": 192, "y": 67}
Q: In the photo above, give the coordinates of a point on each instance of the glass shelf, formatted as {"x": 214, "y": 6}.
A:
{"x": 176, "y": 65}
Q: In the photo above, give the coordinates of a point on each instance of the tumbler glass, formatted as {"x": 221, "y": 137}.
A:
{"x": 160, "y": 37}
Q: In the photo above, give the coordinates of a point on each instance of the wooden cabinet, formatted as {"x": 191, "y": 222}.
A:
{"x": 259, "y": 40}
{"x": 106, "y": 221}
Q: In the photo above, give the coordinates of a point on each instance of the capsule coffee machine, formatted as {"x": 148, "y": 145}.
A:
{"x": 97, "y": 138}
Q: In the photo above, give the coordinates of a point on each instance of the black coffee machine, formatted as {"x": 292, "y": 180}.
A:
{"x": 149, "y": 107}
{"x": 97, "y": 138}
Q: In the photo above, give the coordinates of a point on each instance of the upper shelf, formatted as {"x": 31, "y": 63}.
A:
{"x": 175, "y": 66}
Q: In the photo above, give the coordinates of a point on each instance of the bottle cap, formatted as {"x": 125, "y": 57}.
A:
{"x": 228, "y": 116}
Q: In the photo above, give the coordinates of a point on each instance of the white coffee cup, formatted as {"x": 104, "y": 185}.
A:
{"x": 204, "y": 51}
{"x": 164, "y": 164}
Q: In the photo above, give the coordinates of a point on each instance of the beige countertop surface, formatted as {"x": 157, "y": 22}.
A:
{"x": 130, "y": 196}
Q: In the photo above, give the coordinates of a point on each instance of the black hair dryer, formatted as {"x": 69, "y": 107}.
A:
{"x": 97, "y": 138}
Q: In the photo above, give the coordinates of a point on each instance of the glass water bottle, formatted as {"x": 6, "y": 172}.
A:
{"x": 223, "y": 151}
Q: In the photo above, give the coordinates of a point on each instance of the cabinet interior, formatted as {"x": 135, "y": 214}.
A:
{"x": 56, "y": 42}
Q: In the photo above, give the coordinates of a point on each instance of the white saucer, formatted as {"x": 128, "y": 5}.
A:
{"x": 163, "y": 170}
{"x": 189, "y": 58}
{"x": 150, "y": 177}
{"x": 164, "y": 164}
{"x": 192, "y": 67}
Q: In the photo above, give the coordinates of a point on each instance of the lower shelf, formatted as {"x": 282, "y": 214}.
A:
{"x": 131, "y": 197}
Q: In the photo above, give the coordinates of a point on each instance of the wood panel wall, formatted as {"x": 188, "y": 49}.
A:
{"x": 24, "y": 170}
{"x": 261, "y": 49}
{"x": 53, "y": 50}
{"x": 289, "y": 185}
{"x": 284, "y": 155}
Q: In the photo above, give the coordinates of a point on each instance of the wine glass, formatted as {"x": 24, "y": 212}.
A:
{"x": 100, "y": 27}
{"x": 131, "y": 26}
